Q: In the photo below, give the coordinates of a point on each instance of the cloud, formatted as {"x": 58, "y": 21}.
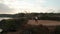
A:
{"x": 4, "y": 9}
{"x": 32, "y": 5}
{"x": 15, "y": 6}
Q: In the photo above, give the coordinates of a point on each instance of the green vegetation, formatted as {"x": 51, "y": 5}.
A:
{"x": 19, "y": 21}
{"x": 12, "y": 24}
{"x": 40, "y": 29}
{"x": 57, "y": 29}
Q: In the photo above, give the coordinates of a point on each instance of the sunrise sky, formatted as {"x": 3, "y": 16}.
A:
{"x": 21, "y": 6}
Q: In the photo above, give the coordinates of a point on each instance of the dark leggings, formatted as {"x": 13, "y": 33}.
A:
{"x": 36, "y": 20}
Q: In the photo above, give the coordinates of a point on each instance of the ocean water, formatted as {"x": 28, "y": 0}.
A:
{"x": 1, "y": 18}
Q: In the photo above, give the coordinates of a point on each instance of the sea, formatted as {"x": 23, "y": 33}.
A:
{"x": 1, "y": 18}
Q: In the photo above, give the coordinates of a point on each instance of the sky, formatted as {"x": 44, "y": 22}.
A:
{"x": 29, "y": 6}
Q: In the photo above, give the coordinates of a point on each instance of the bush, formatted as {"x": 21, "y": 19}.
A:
{"x": 12, "y": 24}
{"x": 57, "y": 30}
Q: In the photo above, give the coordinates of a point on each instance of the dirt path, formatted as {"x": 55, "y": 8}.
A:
{"x": 44, "y": 22}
